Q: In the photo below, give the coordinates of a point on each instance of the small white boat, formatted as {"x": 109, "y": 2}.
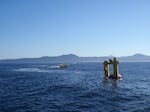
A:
{"x": 63, "y": 66}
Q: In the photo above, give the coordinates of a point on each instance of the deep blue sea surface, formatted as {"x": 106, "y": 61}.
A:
{"x": 79, "y": 88}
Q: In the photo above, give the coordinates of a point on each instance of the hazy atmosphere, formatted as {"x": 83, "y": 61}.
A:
{"x": 34, "y": 28}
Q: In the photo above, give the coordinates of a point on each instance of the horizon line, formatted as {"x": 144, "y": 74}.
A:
{"x": 73, "y": 54}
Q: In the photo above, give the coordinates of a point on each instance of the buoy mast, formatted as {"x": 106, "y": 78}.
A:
{"x": 115, "y": 74}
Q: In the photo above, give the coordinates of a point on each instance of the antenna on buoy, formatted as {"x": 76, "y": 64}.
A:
{"x": 115, "y": 74}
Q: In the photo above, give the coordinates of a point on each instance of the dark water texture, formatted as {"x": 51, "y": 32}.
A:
{"x": 80, "y": 88}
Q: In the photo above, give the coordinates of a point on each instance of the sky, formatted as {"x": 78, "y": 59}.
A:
{"x": 35, "y": 28}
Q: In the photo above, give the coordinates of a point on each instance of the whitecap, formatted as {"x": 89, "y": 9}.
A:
{"x": 54, "y": 67}
{"x": 37, "y": 70}
{"x": 27, "y": 70}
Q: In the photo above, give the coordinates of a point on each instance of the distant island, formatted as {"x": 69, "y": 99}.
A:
{"x": 74, "y": 58}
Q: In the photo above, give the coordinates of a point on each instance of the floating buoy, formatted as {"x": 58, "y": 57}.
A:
{"x": 113, "y": 77}
{"x": 116, "y": 74}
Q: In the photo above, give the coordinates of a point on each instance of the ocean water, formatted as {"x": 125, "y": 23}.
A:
{"x": 79, "y": 88}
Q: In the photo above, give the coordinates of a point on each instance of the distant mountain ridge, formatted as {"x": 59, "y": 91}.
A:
{"x": 74, "y": 58}
{"x": 136, "y": 58}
